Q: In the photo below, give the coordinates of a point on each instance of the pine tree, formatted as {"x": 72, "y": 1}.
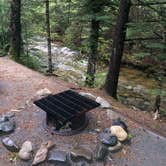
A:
{"x": 15, "y": 28}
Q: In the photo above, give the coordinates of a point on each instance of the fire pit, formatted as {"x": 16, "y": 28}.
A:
{"x": 66, "y": 111}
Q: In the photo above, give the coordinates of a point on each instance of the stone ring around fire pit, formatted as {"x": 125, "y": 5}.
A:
{"x": 66, "y": 111}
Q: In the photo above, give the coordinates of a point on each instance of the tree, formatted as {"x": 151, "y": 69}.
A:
{"x": 94, "y": 8}
{"x": 111, "y": 82}
{"x": 48, "y": 37}
{"x": 15, "y": 29}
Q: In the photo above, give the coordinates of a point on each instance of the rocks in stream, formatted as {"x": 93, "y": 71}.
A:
{"x": 59, "y": 158}
{"x": 10, "y": 145}
{"x": 41, "y": 154}
{"x": 25, "y": 152}
{"x": 119, "y": 132}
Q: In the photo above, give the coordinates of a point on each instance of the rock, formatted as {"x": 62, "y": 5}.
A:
{"x": 25, "y": 151}
{"x": 9, "y": 115}
{"x": 138, "y": 89}
{"x": 7, "y": 127}
{"x": 3, "y": 119}
{"x": 81, "y": 163}
{"x": 41, "y": 154}
{"x": 10, "y": 145}
{"x": 81, "y": 152}
{"x": 88, "y": 95}
{"x": 103, "y": 103}
{"x": 59, "y": 158}
{"x": 129, "y": 87}
{"x": 112, "y": 114}
{"x": 115, "y": 148}
{"x": 108, "y": 139}
{"x": 119, "y": 132}
{"x": 107, "y": 130}
{"x": 119, "y": 122}
{"x": 43, "y": 92}
{"x": 97, "y": 130}
{"x": 101, "y": 152}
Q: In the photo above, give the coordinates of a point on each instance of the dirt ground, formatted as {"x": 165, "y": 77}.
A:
{"x": 18, "y": 86}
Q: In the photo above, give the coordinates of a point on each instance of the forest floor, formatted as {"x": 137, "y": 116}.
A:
{"x": 18, "y": 85}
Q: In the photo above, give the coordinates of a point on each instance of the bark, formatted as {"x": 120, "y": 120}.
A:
{"x": 15, "y": 29}
{"x": 90, "y": 79}
{"x": 111, "y": 82}
{"x": 48, "y": 37}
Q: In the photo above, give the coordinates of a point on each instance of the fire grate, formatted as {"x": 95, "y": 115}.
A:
{"x": 67, "y": 107}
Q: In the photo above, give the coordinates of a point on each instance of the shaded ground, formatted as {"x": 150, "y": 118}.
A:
{"x": 18, "y": 86}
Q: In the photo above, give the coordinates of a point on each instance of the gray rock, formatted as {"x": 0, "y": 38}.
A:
{"x": 9, "y": 115}
{"x": 115, "y": 148}
{"x": 112, "y": 114}
{"x": 59, "y": 158}
{"x": 7, "y": 127}
{"x": 107, "y": 130}
{"x": 81, "y": 153}
{"x": 103, "y": 103}
{"x": 81, "y": 163}
{"x": 108, "y": 139}
{"x": 25, "y": 152}
{"x": 3, "y": 119}
{"x": 101, "y": 152}
{"x": 10, "y": 145}
{"x": 88, "y": 95}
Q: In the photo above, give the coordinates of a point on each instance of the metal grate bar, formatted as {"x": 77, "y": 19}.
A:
{"x": 66, "y": 105}
{"x": 47, "y": 109}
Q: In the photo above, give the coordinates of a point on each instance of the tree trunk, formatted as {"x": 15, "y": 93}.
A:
{"x": 111, "y": 82}
{"x": 93, "y": 53}
{"x": 48, "y": 37}
{"x": 15, "y": 29}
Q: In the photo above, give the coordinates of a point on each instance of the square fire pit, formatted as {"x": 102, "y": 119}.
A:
{"x": 66, "y": 111}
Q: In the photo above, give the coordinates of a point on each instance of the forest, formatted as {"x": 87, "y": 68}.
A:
{"x": 109, "y": 36}
{"x": 83, "y": 83}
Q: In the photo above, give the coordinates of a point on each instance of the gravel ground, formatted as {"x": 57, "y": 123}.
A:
{"x": 18, "y": 86}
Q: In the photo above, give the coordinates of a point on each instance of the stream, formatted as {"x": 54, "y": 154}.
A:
{"x": 134, "y": 89}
